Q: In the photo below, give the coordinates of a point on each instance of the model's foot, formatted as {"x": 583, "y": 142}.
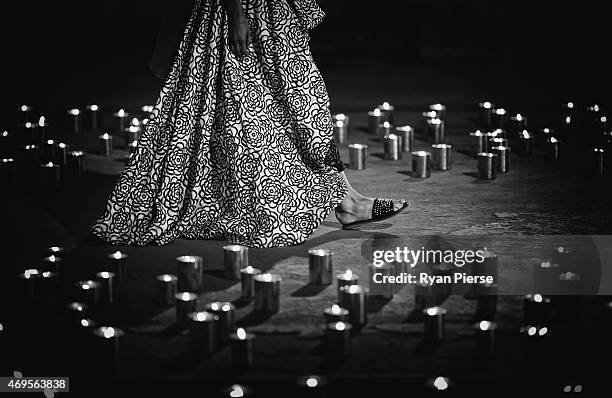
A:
{"x": 359, "y": 208}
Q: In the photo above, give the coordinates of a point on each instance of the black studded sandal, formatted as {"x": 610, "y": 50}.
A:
{"x": 381, "y": 210}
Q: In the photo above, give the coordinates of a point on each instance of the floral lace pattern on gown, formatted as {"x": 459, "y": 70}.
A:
{"x": 240, "y": 150}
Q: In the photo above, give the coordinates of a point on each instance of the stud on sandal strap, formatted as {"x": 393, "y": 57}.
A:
{"x": 381, "y": 207}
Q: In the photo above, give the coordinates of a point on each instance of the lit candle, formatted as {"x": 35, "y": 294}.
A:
{"x": 477, "y": 142}
{"x": 320, "y": 267}
{"x": 340, "y": 132}
{"x": 190, "y": 273}
{"x": 106, "y": 144}
{"x": 442, "y": 158}
{"x": 503, "y": 158}
{"x": 107, "y": 286}
{"x": 40, "y": 131}
{"x": 499, "y": 118}
{"x": 53, "y": 263}
{"x": 185, "y": 304}
{"x": 88, "y": 292}
{"x": 439, "y": 109}
{"x": 8, "y": 170}
{"x": 28, "y": 134}
{"x": 227, "y": 318}
{"x": 518, "y": 123}
{"x": 358, "y": 156}
{"x": 353, "y": 298}
{"x": 117, "y": 264}
{"x": 48, "y": 150}
{"x": 434, "y": 327}
{"x": 335, "y": 313}
{"x": 381, "y": 272}
{"x": 553, "y": 148}
{"x": 247, "y": 283}
{"x": 484, "y": 334}
{"x": 120, "y": 120}
{"x": 108, "y": 347}
{"x": 75, "y": 165}
{"x": 339, "y": 341}
{"x": 525, "y": 144}
{"x": 204, "y": 331}
{"x": 534, "y": 337}
{"x": 386, "y": 110}
{"x": 242, "y": 346}
{"x": 267, "y": 292}
{"x": 485, "y": 113}
{"x": 406, "y": 134}
{"x": 166, "y": 289}
{"x": 385, "y": 129}
{"x": 61, "y": 154}
{"x": 435, "y": 130}
{"x": 487, "y": 166}
{"x": 342, "y": 118}
{"x": 421, "y": 164}
{"x": 374, "y": 121}
{"x": 537, "y": 309}
{"x": 393, "y": 147}
{"x": 93, "y": 109}
{"x": 76, "y": 120}
{"x": 347, "y": 278}
{"x": 50, "y": 176}
{"x": 28, "y": 285}
{"x": 6, "y": 142}
{"x": 25, "y": 113}
{"x": 598, "y": 161}
{"x": 235, "y": 257}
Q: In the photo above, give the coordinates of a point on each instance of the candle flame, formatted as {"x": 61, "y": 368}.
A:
{"x": 312, "y": 382}
{"x": 226, "y": 308}
{"x": 570, "y": 105}
{"x": 543, "y": 331}
{"x": 348, "y": 274}
{"x": 93, "y": 108}
{"x": 500, "y": 111}
{"x": 24, "y": 108}
{"x": 267, "y": 277}
{"x": 185, "y": 296}
{"x": 376, "y": 112}
{"x": 484, "y": 325}
{"x": 41, "y": 121}
{"x": 537, "y": 298}
{"x": 5, "y": 133}
{"x": 29, "y": 273}
{"x": 47, "y": 274}
{"x": 525, "y": 134}
{"x": 440, "y": 383}
{"x": 553, "y": 140}
{"x": 432, "y": 311}
{"x": 353, "y": 289}
{"x": 28, "y": 125}
{"x": 74, "y": 112}
{"x": 603, "y": 119}
{"x": 85, "y": 322}
{"x": 249, "y": 269}
{"x": 546, "y": 130}
{"x": 105, "y": 275}
{"x": 335, "y": 309}
{"x": 241, "y": 333}
{"x": 135, "y": 121}
{"x": 568, "y": 120}
{"x": 237, "y": 391}
{"x": 105, "y": 136}
{"x": 519, "y": 117}
{"x": 117, "y": 254}
{"x": 121, "y": 113}
{"x": 109, "y": 332}
{"x": 531, "y": 331}
{"x": 166, "y": 278}
{"x": 387, "y": 125}
{"x": 201, "y": 316}
{"x": 340, "y": 326}
{"x": 487, "y": 105}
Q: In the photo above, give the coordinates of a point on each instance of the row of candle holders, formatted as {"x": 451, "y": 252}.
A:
{"x": 491, "y": 146}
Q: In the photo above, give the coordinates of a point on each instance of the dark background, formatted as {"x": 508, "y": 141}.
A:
{"x": 72, "y": 51}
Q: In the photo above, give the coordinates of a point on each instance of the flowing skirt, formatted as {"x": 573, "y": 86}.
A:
{"x": 236, "y": 150}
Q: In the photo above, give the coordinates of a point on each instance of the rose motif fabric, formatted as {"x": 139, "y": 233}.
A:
{"x": 237, "y": 150}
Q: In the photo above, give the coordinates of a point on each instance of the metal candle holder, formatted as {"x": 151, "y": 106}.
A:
{"x": 598, "y": 161}
{"x": 190, "y": 273}
{"x": 484, "y": 335}
{"x": 525, "y": 143}
{"x": 353, "y": 298}
{"x": 235, "y": 257}
{"x": 94, "y": 115}
{"x": 339, "y": 340}
{"x": 442, "y": 156}
{"x": 407, "y": 137}
{"x": 487, "y": 166}
{"x": 553, "y": 148}
{"x": 439, "y": 109}
{"x": 108, "y": 345}
{"x": 50, "y": 176}
{"x": 435, "y": 130}
{"x": 52, "y": 263}
{"x": 386, "y": 110}
{"x": 107, "y": 286}
{"x": 204, "y": 331}
{"x": 341, "y": 117}
{"x": 48, "y": 151}
{"x": 434, "y": 326}
{"x": 340, "y": 132}
{"x": 117, "y": 264}
{"x": 485, "y": 113}
{"x": 39, "y": 131}
{"x": 358, "y": 156}
{"x": 88, "y": 292}
{"x": 242, "y": 346}
{"x": 393, "y": 148}
{"x": 421, "y": 164}
{"x": 503, "y": 158}
{"x": 518, "y": 123}
{"x": 385, "y": 129}
{"x": 335, "y": 313}
{"x": 27, "y": 280}
{"x": 267, "y": 292}
{"x": 477, "y": 143}
{"x": 320, "y": 266}
{"x": 76, "y": 120}
{"x": 347, "y": 278}
{"x": 105, "y": 145}
{"x": 61, "y": 153}
{"x": 75, "y": 164}
{"x": 8, "y": 170}
{"x": 247, "y": 282}
{"x": 227, "y": 318}
{"x": 166, "y": 289}
{"x": 120, "y": 117}
{"x": 374, "y": 121}
{"x": 499, "y": 118}
{"x": 185, "y": 304}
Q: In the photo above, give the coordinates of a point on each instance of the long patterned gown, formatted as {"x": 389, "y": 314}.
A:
{"x": 236, "y": 150}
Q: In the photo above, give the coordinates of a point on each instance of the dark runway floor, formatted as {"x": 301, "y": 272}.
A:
{"x": 522, "y": 215}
